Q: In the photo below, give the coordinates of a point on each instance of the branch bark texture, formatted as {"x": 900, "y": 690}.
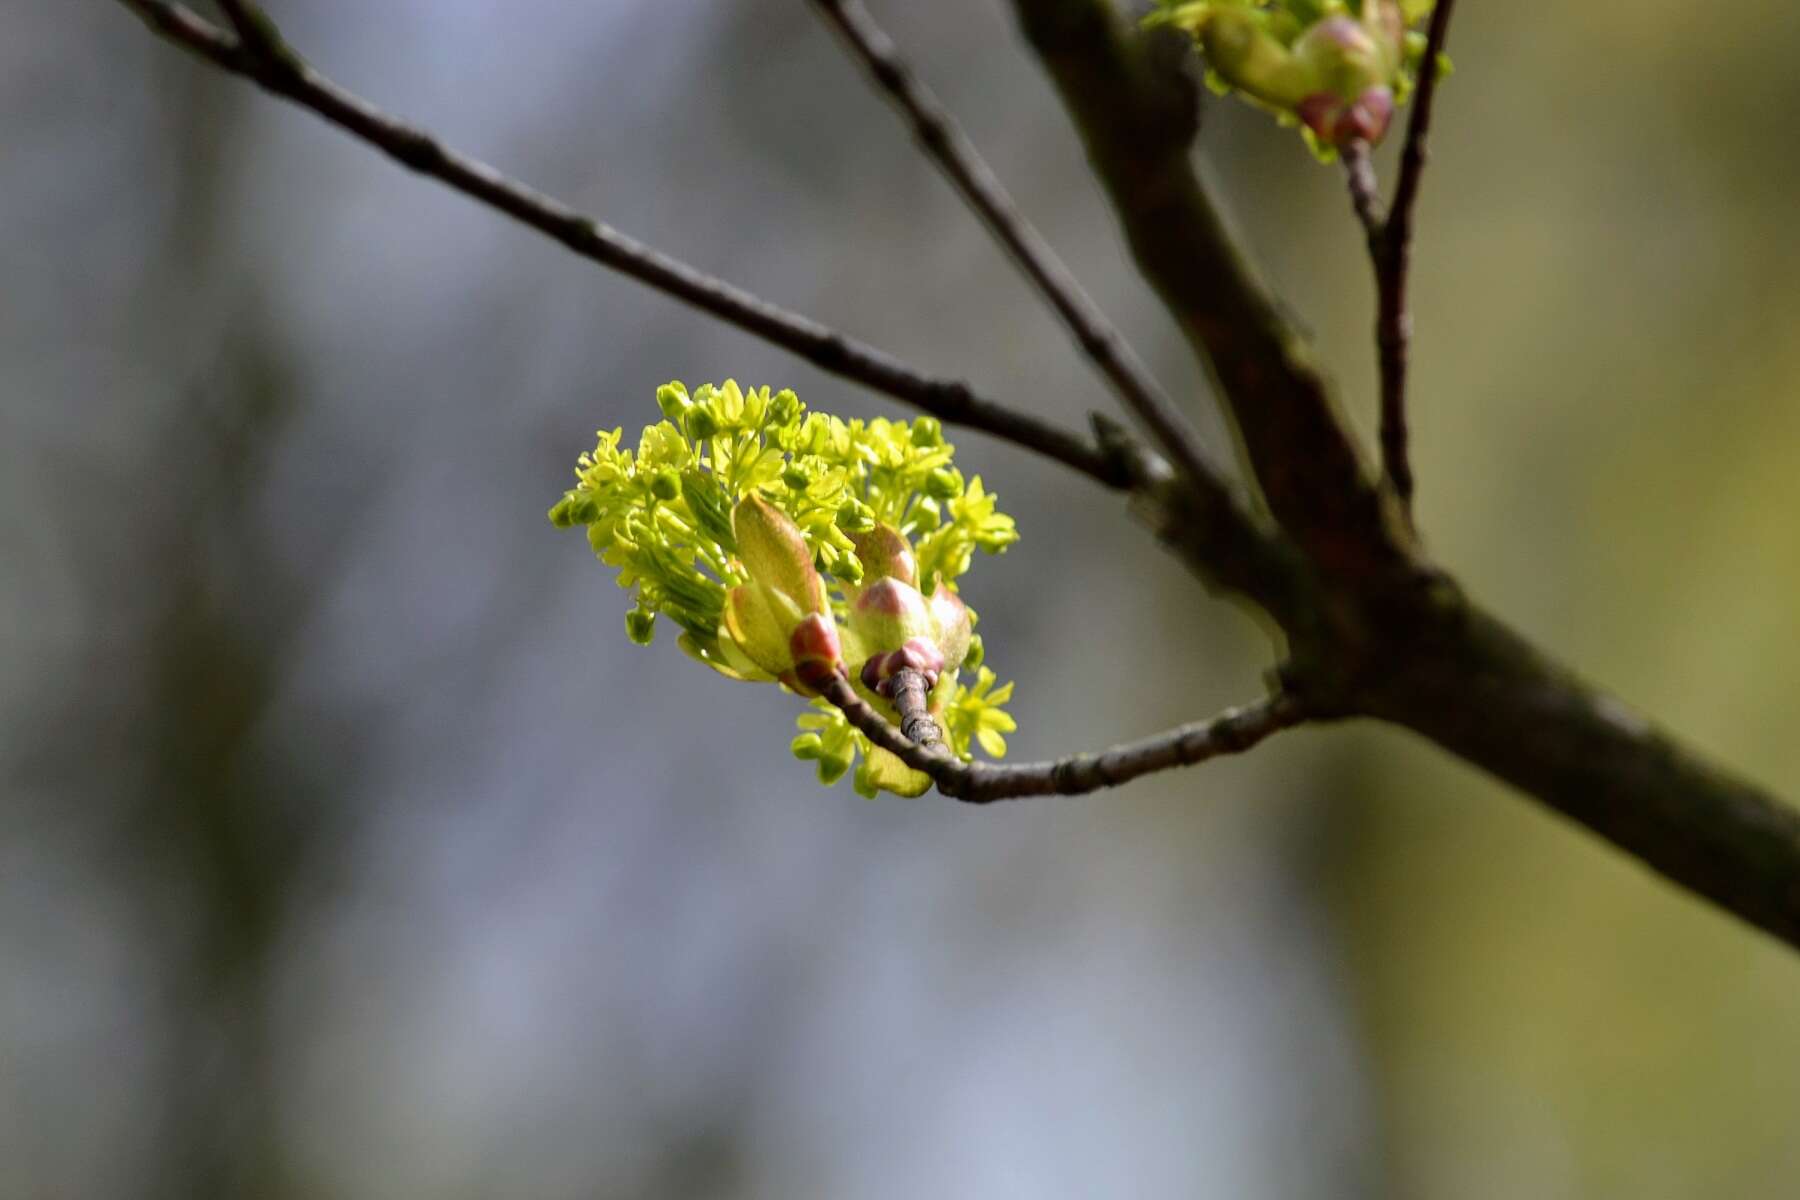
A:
{"x": 1232, "y": 732}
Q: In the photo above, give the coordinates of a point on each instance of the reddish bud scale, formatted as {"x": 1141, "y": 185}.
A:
{"x": 916, "y": 654}
{"x": 815, "y": 651}
{"x": 1336, "y": 121}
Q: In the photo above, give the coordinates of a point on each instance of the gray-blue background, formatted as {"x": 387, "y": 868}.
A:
{"x": 348, "y": 849}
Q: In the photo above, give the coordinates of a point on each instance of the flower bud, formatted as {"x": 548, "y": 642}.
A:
{"x": 1337, "y": 76}
{"x": 927, "y": 432}
{"x": 945, "y": 483}
{"x": 666, "y": 486}
{"x": 699, "y": 424}
{"x": 575, "y": 508}
{"x": 784, "y": 407}
{"x": 888, "y": 612}
{"x": 640, "y": 625}
{"x": 1335, "y": 121}
{"x": 855, "y": 517}
{"x": 1350, "y": 67}
{"x": 848, "y": 568}
{"x": 672, "y": 398}
{"x": 1340, "y": 54}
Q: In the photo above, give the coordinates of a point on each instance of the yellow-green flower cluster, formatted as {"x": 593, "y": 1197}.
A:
{"x": 1336, "y": 68}
{"x": 739, "y": 517}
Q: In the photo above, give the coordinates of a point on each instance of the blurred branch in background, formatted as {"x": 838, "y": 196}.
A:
{"x": 210, "y": 816}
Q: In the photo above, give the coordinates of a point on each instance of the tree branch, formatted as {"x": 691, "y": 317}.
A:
{"x": 1215, "y": 536}
{"x": 911, "y": 701}
{"x": 945, "y": 143}
{"x": 1231, "y": 732}
{"x": 1376, "y": 629}
{"x": 256, "y": 33}
{"x": 1137, "y": 114}
{"x": 1390, "y": 246}
{"x": 1482, "y": 692}
{"x": 1414, "y": 154}
{"x": 271, "y": 63}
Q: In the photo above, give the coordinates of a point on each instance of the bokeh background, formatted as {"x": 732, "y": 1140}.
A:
{"x": 347, "y": 849}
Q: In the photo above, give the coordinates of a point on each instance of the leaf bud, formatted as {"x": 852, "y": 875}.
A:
{"x": 780, "y": 619}
{"x": 886, "y": 554}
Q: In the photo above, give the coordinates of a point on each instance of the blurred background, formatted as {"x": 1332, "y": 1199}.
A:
{"x": 348, "y": 849}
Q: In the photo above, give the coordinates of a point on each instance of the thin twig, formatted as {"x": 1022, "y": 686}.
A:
{"x": 254, "y": 29}
{"x": 1138, "y": 113}
{"x": 1393, "y": 263}
{"x": 1231, "y": 732}
{"x": 1413, "y": 154}
{"x": 271, "y": 63}
{"x": 910, "y": 701}
{"x": 945, "y": 143}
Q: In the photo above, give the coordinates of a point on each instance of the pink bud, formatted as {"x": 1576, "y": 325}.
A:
{"x": 888, "y": 612}
{"x": 916, "y": 654}
{"x": 1335, "y": 121}
{"x": 1343, "y": 32}
{"x": 1319, "y": 112}
{"x": 814, "y": 648}
{"x": 1368, "y": 117}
